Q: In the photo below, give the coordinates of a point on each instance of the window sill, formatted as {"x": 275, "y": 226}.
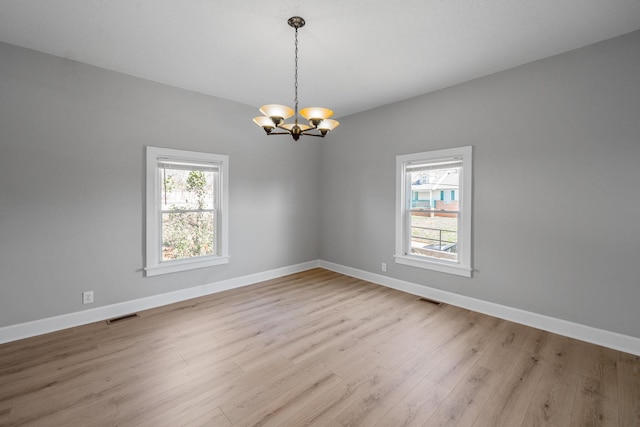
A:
{"x": 428, "y": 264}
{"x": 183, "y": 265}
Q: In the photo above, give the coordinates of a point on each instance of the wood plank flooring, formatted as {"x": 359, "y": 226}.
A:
{"x": 315, "y": 348}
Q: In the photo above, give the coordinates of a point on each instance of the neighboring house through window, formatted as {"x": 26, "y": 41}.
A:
{"x": 186, "y": 215}
{"x": 433, "y": 210}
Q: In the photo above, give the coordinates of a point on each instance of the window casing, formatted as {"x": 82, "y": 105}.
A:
{"x": 186, "y": 210}
{"x": 433, "y": 210}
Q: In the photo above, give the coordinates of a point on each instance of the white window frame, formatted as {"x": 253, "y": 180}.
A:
{"x": 462, "y": 266}
{"x": 154, "y": 264}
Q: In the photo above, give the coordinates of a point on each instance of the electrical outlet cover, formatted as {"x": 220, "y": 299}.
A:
{"x": 87, "y": 297}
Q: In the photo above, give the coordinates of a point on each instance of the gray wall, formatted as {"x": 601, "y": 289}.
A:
{"x": 548, "y": 137}
{"x": 72, "y": 143}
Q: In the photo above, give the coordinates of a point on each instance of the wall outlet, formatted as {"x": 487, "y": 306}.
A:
{"x": 384, "y": 266}
{"x": 87, "y": 297}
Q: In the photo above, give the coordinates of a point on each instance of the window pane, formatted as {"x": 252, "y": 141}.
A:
{"x": 434, "y": 235}
{"x": 434, "y": 212}
{"x": 186, "y": 189}
{"x": 187, "y": 234}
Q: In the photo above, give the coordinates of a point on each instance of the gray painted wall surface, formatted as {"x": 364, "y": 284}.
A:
{"x": 547, "y": 136}
{"x": 72, "y": 143}
{"x": 71, "y": 184}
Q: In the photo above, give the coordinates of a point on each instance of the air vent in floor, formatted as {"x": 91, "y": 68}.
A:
{"x": 121, "y": 318}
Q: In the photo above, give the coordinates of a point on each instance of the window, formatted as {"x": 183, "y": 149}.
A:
{"x": 434, "y": 231}
{"x": 187, "y": 202}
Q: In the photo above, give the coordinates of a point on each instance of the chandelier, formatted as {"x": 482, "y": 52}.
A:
{"x": 275, "y": 115}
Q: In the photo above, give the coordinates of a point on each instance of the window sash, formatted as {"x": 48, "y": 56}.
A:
{"x": 166, "y": 211}
{"x": 210, "y": 243}
{"x": 188, "y": 165}
{"x": 436, "y": 164}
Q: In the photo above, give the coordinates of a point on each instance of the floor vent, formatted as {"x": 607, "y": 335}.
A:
{"x": 430, "y": 301}
{"x": 121, "y": 318}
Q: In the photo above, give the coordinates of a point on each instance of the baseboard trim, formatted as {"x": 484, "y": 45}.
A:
{"x": 597, "y": 336}
{"x": 589, "y": 334}
{"x": 57, "y": 323}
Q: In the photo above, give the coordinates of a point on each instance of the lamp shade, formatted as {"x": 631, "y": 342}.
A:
{"x": 264, "y": 121}
{"x": 276, "y": 110}
{"x": 328, "y": 124}
{"x": 289, "y": 127}
{"x": 315, "y": 113}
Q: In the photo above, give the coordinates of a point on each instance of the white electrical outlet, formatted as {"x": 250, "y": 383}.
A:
{"x": 87, "y": 297}
{"x": 384, "y": 266}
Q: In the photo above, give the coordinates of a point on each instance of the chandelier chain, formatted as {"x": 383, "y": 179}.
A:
{"x": 296, "y": 78}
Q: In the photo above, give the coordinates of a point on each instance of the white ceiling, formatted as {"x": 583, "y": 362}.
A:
{"x": 354, "y": 54}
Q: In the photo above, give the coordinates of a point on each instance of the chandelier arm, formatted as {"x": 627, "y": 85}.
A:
{"x": 289, "y": 133}
{"x": 312, "y": 134}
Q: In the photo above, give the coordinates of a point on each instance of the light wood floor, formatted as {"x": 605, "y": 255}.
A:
{"x": 314, "y": 348}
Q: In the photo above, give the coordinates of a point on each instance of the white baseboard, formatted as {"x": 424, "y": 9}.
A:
{"x": 625, "y": 343}
{"x": 57, "y": 323}
{"x": 609, "y": 339}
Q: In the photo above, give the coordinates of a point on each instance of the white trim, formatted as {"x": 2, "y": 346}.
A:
{"x": 625, "y": 343}
{"x": 616, "y": 341}
{"x": 432, "y": 264}
{"x": 57, "y": 323}
{"x": 182, "y": 265}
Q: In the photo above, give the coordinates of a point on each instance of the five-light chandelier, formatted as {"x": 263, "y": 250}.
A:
{"x": 275, "y": 115}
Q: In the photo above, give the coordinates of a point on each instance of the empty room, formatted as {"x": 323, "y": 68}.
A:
{"x": 291, "y": 213}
